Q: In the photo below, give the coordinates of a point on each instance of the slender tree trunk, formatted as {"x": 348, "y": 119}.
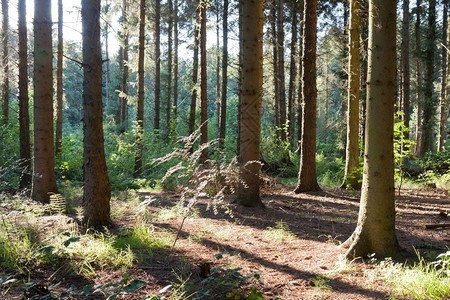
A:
{"x": 276, "y": 82}
{"x": 218, "y": 107}
{"x": 251, "y": 93}
{"x": 175, "y": 68}
{"x": 443, "y": 107}
{"x": 44, "y": 180}
{"x": 194, "y": 73}
{"x": 292, "y": 74}
{"x": 59, "y": 81}
{"x": 326, "y": 100}
{"x": 429, "y": 105}
{"x": 140, "y": 98}
{"x": 97, "y": 190}
{"x": 124, "y": 96}
{"x": 24, "y": 117}
{"x": 351, "y": 177}
{"x": 405, "y": 66}
{"x": 281, "y": 77}
{"x": 375, "y": 231}
{"x": 239, "y": 106}
{"x": 307, "y": 180}
{"x": 223, "y": 103}
{"x": 108, "y": 63}
{"x": 5, "y": 61}
{"x": 203, "y": 83}
{"x": 344, "y": 78}
{"x": 418, "y": 79}
{"x": 300, "y": 76}
{"x": 156, "y": 125}
{"x": 169, "y": 70}
{"x": 363, "y": 93}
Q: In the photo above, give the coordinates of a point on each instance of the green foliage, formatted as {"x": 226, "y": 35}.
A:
{"x": 69, "y": 164}
{"x": 330, "y": 171}
{"x": 438, "y": 163}
{"x": 403, "y": 147}
{"x": 281, "y": 232}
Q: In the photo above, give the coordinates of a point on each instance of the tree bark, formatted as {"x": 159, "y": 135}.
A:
{"x": 218, "y": 107}
{"x": 443, "y": 108}
{"x": 375, "y": 231}
{"x": 169, "y": 70}
{"x": 44, "y": 180}
{"x": 276, "y": 82}
{"x": 292, "y": 73}
{"x": 175, "y": 68}
{"x": 97, "y": 190}
{"x": 59, "y": 82}
{"x": 5, "y": 61}
{"x": 123, "y": 98}
{"x": 280, "y": 64}
{"x": 194, "y": 73}
{"x": 418, "y": 79}
{"x": 24, "y": 116}
{"x": 251, "y": 93}
{"x": 203, "y": 84}
{"x": 405, "y": 66}
{"x": 351, "y": 177}
{"x": 108, "y": 63}
{"x": 223, "y": 102}
{"x": 156, "y": 125}
{"x": 307, "y": 180}
{"x": 140, "y": 98}
{"x": 429, "y": 105}
{"x": 300, "y": 75}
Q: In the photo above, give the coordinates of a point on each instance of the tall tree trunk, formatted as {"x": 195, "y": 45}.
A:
{"x": 218, "y": 67}
{"x": 363, "y": 92}
{"x": 307, "y": 180}
{"x": 140, "y": 96}
{"x": 169, "y": 70}
{"x": 406, "y": 82}
{"x": 108, "y": 63}
{"x": 123, "y": 98}
{"x": 351, "y": 177}
{"x": 194, "y": 73}
{"x": 251, "y": 93}
{"x": 281, "y": 79}
{"x": 156, "y": 125}
{"x": 300, "y": 75}
{"x": 175, "y": 68}
{"x": 375, "y": 231}
{"x": 24, "y": 116}
{"x": 344, "y": 77}
{"x": 276, "y": 82}
{"x": 239, "y": 105}
{"x": 292, "y": 73}
{"x": 223, "y": 102}
{"x": 59, "y": 81}
{"x": 443, "y": 108}
{"x": 418, "y": 79}
{"x": 44, "y": 180}
{"x": 97, "y": 190}
{"x": 203, "y": 83}
{"x": 429, "y": 105}
{"x": 5, "y": 61}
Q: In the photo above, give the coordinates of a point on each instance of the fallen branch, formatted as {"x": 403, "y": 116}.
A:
{"x": 434, "y": 226}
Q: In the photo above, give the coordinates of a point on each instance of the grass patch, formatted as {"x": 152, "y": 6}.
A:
{"x": 281, "y": 232}
{"x": 175, "y": 212}
{"x": 320, "y": 289}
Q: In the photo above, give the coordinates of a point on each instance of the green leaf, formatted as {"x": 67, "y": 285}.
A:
{"x": 134, "y": 286}
{"x": 71, "y": 240}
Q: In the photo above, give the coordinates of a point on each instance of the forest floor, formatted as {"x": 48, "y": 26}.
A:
{"x": 292, "y": 244}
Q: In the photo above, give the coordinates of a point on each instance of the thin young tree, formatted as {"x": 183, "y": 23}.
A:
{"x": 24, "y": 116}
{"x": 223, "y": 100}
{"x": 194, "y": 90}
{"x": 140, "y": 95}
{"x": 419, "y": 92}
{"x": 203, "y": 83}
{"x": 406, "y": 82}
{"x": 123, "y": 98}
{"x": 97, "y": 190}
{"x": 307, "y": 179}
{"x": 59, "y": 82}
{"x": 276, "y": 81}
{"x": 351, "y": 177}
{"x": 429, "y": 105}
{"x": 156, "y": 125}
{"x": 375, "y": 231}
{"x": 5, "y": 60}
{"x": 443, "y": 107}
{"x": 169, "y": 70}
{"x": 218, "y": 107}
{"x": 293, "y": 71}
{"x": 280, "y": 65}
{"x": 251, "y": 97}
{"x": 175, "y": 68}
{"x": 108, "y": 62}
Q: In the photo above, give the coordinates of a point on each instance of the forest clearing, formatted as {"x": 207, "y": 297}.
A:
{"x": 292, "y": 245}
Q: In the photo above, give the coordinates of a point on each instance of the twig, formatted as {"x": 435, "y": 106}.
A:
{"x": 74, "y": 60}
{"x": 434, "y": 226}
